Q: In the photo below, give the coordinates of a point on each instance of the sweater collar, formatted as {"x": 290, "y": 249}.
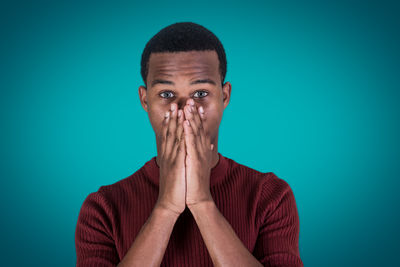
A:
{"x": 217, "y": 172}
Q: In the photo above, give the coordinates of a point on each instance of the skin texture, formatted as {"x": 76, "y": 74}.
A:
{"x": 182, "y": 68}
{"x": 187, "y": 149}
{"x": 172, "y": 187}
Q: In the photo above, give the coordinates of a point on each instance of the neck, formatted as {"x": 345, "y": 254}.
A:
{"x": 215, "y": 156}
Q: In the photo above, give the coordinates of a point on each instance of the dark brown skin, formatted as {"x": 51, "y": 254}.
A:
{"x": 185, "y": 156}
{"x": 181, "y": 69}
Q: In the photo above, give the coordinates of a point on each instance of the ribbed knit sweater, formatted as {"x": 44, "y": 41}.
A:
{"x": 260, "y": 207}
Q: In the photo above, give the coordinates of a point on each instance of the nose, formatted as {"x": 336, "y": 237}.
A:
{"x": 181, "y": 102}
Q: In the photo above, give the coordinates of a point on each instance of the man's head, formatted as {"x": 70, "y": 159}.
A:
{"x": 183, "y": 61}
{"x": 183, "y": 37}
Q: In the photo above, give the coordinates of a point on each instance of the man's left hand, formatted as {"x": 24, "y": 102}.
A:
{"x": 198, "y": 156}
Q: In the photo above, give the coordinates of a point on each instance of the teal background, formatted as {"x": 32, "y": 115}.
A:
{"x": 315, "y": 92}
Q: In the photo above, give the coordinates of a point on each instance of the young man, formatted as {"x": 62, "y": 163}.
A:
{"x": 189, "y": 205}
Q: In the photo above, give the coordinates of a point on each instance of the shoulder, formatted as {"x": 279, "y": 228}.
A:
{"x": 242, "y": 171}
{"x": 111, "y": 194}
{"x": 274, "y": 188}
{"x": 268, "y": 188}
{"x": 276, "y": 199}
{"x": 268, "y": 182}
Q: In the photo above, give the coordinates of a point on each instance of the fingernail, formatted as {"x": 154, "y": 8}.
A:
{"x": 179, "y": 113}
{"x": 173, "y": 107}
{"x": 167, "y": 114}
{"x": 191, "y": 102}
{"x": 201, "y": 110}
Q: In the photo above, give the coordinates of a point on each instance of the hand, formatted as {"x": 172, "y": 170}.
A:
{"x": 198, "y": 158}
{"x": 172, "y": 186}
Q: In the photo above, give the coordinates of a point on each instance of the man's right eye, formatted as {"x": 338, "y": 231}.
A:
{"x": 162, "y": 94}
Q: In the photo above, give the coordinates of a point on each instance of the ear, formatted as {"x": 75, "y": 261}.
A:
{"x": 143, "y": 97}
{"x": 226, "y": 93}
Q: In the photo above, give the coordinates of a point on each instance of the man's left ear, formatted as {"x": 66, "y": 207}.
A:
{"x": 226, "y": 93}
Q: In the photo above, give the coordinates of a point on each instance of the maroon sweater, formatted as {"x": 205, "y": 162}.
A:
{"x": 260, "y": 207}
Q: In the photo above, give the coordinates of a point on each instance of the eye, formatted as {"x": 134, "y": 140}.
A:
{"x": 203, "y": 93}
{"x": 165, "y": 92}
{"x": 169, "y": 94}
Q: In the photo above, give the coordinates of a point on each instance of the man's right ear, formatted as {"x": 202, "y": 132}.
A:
{"x": 143, "y": 96}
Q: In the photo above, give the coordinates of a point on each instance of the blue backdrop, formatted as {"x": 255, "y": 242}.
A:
{"x": 315, "y": 92}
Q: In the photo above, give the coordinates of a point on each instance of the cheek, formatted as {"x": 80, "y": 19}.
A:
{"x": 212, "y": 111}
{"x": 212, "y": 119}
{"x": 156, "y": 117}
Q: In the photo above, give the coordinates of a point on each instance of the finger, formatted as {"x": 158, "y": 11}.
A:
{"x": 165, "y": 124}
{"x": 195, "y": 123}
{"x": 202, "y": 131}
{"x": 182, "y": 148}
{"x": 171, "y": 133}
{"x": 201, "y": 112}
{"x": 198, "y": 122}
{"x": 178, "y": 134}
{"x": 180, "y": 130}
{"x": 190, "y": 117}
{"x": 182, "y": 155}
{"x": 196, "y": 117}
{"x": 190, "y": 141}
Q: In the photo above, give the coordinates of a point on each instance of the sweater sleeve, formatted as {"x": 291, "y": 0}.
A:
{"x": 277, "y": 243}
{"x": 93, "y": 235}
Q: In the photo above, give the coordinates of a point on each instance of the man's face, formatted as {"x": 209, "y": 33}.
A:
{"x": 177, "y": 77}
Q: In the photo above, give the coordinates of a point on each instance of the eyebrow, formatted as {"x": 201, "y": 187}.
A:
{"x": 156, "y": 81}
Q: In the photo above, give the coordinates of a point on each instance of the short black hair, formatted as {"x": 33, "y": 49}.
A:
{"x": 183, "y": 36}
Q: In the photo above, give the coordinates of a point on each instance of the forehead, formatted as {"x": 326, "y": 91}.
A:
{"x": 183, "y": 63}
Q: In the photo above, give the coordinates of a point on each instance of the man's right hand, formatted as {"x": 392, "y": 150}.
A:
{"x": 172, "y": 185}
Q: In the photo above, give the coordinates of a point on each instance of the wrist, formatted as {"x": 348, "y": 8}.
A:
{"x": 165, "y": 211}
{"x": 201, "y": 206}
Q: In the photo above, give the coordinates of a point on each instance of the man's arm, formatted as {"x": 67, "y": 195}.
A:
{"x": 222, "y": 243}
{"x": 224, "y": 246}
{"x": 93, "y": 235}
{"x": 278, "y": 240}
{"x": 149, "y": 246}
{"x": 95, "y": 245}
{"x": 278, "y": 237}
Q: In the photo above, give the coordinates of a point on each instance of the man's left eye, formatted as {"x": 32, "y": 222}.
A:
{"x": 203, "y": 93}
{"x": 166, "y": 92}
